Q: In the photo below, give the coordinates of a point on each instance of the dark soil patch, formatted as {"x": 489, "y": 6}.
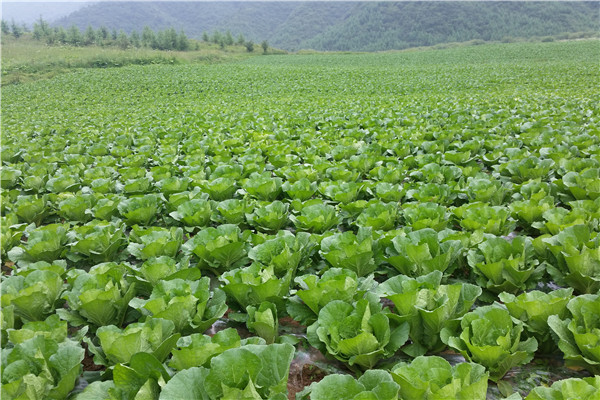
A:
{"x": 302, "y": 375}
{"x": 7, "y": 268}
{"x": 88, "y": 361}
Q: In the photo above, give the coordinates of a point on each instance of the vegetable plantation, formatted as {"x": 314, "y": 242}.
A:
{"x": 410, "y": 225}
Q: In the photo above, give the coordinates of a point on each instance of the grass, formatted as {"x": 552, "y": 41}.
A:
{"x": 26, "y": 59}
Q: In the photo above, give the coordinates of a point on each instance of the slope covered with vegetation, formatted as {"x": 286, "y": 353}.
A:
{"x": 349, "y": 25}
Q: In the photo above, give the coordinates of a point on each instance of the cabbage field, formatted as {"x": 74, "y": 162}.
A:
{"x": 410, "y": 225}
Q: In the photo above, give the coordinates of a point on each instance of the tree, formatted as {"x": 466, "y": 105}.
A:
{"x": 74, "y": 36}
{"x": 249, "y": 46}
{"x": 37, "y": 31}
{"x": 102, "y": 34}
{"x": 170, "y": 38}
{"x": 41, "y": 29}
{"x": 89, "y": 37}
{"x": 15, "y": 29}
{"x": 216, "y": 37}
{"x": 241, "y": 40}
{"x": 205, "y": 37}
{"x": 122, "y": 40}
{"x": 265, "y": 46}
{"x": 148, "y": 37}
{"x": 5, "y": 27}
{"x": 114, "y": 34}
{"x": 228, "y": 38}
{"x": 183, "y": 44}
{"x": 135, "y": 39}
{"x": 61, "y": 35}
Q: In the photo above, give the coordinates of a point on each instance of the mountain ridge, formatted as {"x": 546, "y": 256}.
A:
{"x": 347, "y": 26}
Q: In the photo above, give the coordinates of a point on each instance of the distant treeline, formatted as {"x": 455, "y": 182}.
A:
{"x": 167, "y": 39}
{"x": 226, "y": 39}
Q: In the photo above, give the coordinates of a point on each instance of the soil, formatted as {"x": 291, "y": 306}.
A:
{"x": 302, "y": 375}
{"x": 7, "y": 268}
{"x": 88, "y": 361}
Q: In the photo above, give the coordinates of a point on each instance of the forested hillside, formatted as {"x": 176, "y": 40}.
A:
{"x": 364, "y": 26}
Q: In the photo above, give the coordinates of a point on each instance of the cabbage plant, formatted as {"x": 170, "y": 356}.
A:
{"x": 358, "y": 334}
{"x": 423, "y": 251}
{"x": 46, "y": 243}
{"x": 252, "y": 372}
{"x": 495, "y": 220}
{"x": 34, "y": 296}
{"x": 489, "y": 336}
{"x": 505, "y": 266}
{"x": 155, "y": 242}
{"x": 140, "y": 210}
{"x": 534, "y": 308}
{"x": 99, "y": 297}
{"x": 302, "y": 189}
{"x": 154, "y": 336}
{"x": 223, "y": 248}
{"x": 316, "y": 218}
{"x": 97, "y": 241}
{"x": 41, "y": 367}
{"x": 576, "y": 252}
{"x": 425, "y": 215}
{"x": 432, "y": 378}
{"x": 197, "y": 350}
{"x": 285, "y": 251}
{"x": 231, "y": 211}
{"x": 255, "y": 284}
{"x": 269, "y": 217}
{"x": 189, "y": 304}
{"x": 263, "y": 186}
{"x": 347, "y": 250}
{"x": 427, "y": 307}
{"x": 316, "y": 292}
{"x": 578, "y": 337}
{"x": 568, "y": 389}
{"x": 378, "y": 216}
{"x": 193, "y": 213}
{"x": 373, "y": 384}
